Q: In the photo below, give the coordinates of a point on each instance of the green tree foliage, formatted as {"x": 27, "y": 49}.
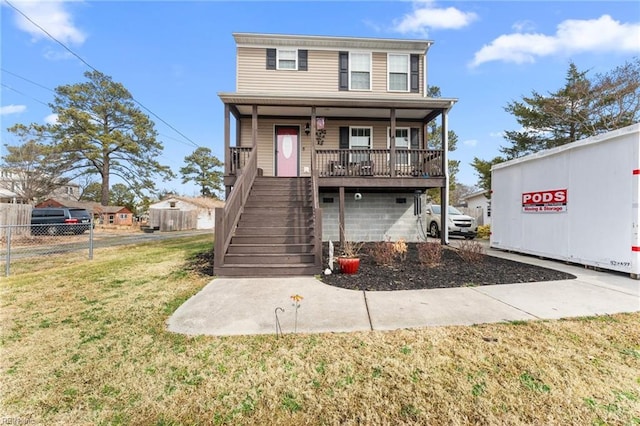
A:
{"x": 483, "y": 170}
{"x": 434, "y": 141}
{"x": 101, "y": 128}
{"x": 203, "y": 168}
{"x": 92, "y": 192}
{"x": 34, "y": 167}
{"x": 121, "y": 195}
{"x": 580, "y": 109}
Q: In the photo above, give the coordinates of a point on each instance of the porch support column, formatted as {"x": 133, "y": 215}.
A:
{"x": 341, "y": 215}
{"x": 392, "y": 143}
{"x": 228, "y": 158}
{"x": 254, "y": 126}
{"x": 444, "y": 192}
{"x": 227, "y": 140}
{"x": 312, "y": 139}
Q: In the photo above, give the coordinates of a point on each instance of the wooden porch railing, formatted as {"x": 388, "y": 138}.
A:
{"x": 227, "y": 217}
{"x": 375, "y": 162}
{"x": 239, "y": 156}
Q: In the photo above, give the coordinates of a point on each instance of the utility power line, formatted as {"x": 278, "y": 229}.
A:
{"x": 94, "y": 69}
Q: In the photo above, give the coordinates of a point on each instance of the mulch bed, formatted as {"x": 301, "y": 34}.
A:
{"x": 412, "y": 275}
{"x": 453, "y": 271}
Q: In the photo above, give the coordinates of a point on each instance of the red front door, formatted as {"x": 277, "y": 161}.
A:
{"x": 287, "y": 151}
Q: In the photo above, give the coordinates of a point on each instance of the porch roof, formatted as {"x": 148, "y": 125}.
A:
{"x": 363, "y": 106}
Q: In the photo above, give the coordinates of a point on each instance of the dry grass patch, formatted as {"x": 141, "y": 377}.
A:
{"x": 90, "y": 347}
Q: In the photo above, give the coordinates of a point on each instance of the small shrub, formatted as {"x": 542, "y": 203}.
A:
{"x": 471, "y": 251}
{"x": 400, "y": 249}
{"x": 386, "y": 253}
{"x": 484, "y": 232}
{"x": 430, "y": 254}
{"x": 382, "y": 253}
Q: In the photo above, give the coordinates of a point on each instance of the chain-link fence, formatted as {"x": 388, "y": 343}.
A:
{"x": 23, "y": 247}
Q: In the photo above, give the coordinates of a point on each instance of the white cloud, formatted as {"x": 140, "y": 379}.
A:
{"x": 426, "y": 15}
{"x": 522, "y": 26}
{"x": 496, "y": 134}
{"x": 51, "y": 119}
{"x": 470, "y": 142}
{"x": 12, "y": 109}
{"x": 572, "y": 36}
{"x": 53, "y": 16}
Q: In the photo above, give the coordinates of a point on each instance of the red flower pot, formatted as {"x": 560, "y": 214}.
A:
{"x": 349, "y": 265}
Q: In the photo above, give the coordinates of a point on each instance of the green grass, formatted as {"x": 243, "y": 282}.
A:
{"x": 91, "y": 347}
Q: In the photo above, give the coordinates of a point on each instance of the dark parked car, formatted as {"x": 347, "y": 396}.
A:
{"x": 61, "y": 220}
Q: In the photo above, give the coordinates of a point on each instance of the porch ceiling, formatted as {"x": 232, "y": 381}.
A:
{"x": 416, "y": 108}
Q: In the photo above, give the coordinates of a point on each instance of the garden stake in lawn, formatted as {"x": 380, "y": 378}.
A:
{"x": 296, "y": 303}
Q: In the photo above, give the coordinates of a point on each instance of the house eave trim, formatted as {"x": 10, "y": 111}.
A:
{"x": 329, "y": 42}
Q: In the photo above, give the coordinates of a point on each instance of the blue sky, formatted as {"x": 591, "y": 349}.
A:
{"x": 174, "y": 57}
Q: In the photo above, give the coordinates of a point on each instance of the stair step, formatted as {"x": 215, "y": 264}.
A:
{"x": 306, "y": 248}
{"x": 276, "y": 270}
{"x": 272, "y": 231}
{"x": 268, "y": 258}
{"x": 274, "y": 239}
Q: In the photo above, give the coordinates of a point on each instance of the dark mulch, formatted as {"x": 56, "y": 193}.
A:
{"x": 411, "y": 275}
{"x": 452, "y": 272}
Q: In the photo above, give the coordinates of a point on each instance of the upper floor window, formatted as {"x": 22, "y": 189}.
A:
{"x": 398, "y": 72}
{"x": 360, "y": 71}
{"x": 287, "y": 59}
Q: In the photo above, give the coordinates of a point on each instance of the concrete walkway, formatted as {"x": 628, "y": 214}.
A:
{"x": 236, "y": 306}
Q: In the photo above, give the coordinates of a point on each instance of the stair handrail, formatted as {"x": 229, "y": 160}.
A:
{"x": 317, "y": 211}
{"x": 227, "y": 217}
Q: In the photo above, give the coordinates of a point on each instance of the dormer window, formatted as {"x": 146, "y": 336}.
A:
{"x": 287, "y": 59}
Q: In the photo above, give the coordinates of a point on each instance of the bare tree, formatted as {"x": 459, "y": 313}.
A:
{"x": 33, "y": 169}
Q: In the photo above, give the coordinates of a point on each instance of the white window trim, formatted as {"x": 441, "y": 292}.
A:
{"x": 389, "y": 89}
{"x": 408, "y": 129}
{"x": 295, "y": 59}
{"x": 351, "y": 135}
{"x": 370, "y": 71}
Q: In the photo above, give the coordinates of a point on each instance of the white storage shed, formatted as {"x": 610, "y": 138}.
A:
{"x": 577, "y": 202}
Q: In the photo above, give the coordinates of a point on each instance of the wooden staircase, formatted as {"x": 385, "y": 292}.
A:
{"x": 275, "y": 233}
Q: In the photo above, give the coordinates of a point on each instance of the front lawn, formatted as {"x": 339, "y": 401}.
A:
{"x": 85, "y": 343}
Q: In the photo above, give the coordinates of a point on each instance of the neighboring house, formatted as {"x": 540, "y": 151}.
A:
{"x": 11, "y": 184}
{"x": 330, "y": 144}
{"x": 182, "y": 213}
{"x": 115, "y": 215}
{"x": 91, "y": 206}
{"x": 478, "y": 206}
{"x": 105, "y": 215}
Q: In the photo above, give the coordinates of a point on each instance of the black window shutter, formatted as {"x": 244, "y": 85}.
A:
{"x": 271, "y": 59}
{"x": 415, "y": 73}
{"x": 344, "y": 144}
{"x": 415, "y": 138}
{"x": 302, "y": 60}
{"x": 344, "y": 138}
{"x": 343, "y": 72}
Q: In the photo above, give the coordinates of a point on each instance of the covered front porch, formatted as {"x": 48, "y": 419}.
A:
{"x": 339, "y": 143}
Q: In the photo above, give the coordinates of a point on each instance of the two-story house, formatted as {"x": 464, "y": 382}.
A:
{"x": 324, "y": 138}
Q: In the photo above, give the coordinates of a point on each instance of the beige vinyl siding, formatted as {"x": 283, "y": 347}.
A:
{"x": 379, "y": 71}
{"x": 321, "y": 77}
